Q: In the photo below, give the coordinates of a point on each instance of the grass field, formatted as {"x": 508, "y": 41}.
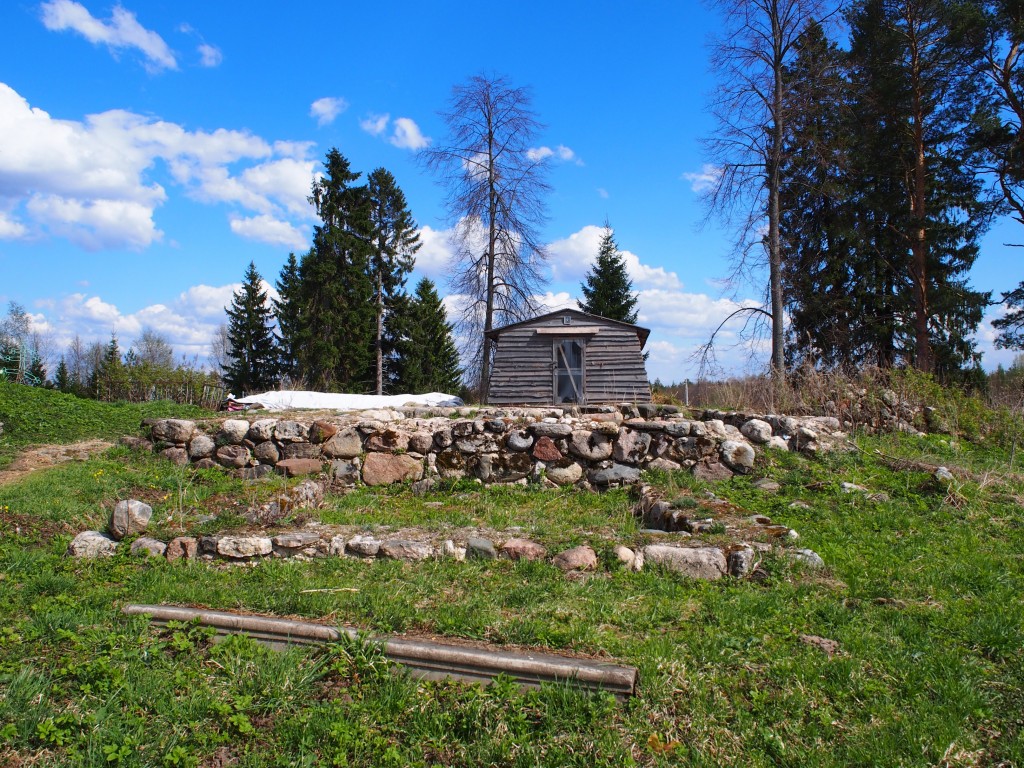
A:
{"x": 923, "y": 594}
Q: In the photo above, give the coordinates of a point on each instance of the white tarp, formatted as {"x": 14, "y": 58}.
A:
{"x": 285, "y": 400}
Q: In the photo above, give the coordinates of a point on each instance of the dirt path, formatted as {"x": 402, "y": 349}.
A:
{"x": 38, "y": 457}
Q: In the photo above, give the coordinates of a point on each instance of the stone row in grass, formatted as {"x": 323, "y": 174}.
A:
{"x": 694, "y": 559}
{"x": 591, "y": 450}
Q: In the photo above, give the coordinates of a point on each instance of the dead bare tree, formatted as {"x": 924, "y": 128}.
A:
{"x": 752, "y": 108}
{"x": 496, "y": 189}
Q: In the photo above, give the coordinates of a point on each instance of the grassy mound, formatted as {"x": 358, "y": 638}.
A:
{"x": 36, "y": 415}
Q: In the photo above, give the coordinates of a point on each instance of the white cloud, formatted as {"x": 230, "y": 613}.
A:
{"x": 407, "y": 135}
{"x": 572, "y": 257}
{"x": 121, "y": 31}
{"x": 11, "y": 228}
{"x": 209, "y": 55}
{"x": 189, "y": 322}
{"x": 550, "y": 302}
{"x": 96, "y": 224}
{"x": 267, "y": 229}
{"x": 433, "y": 259}
{"x": 561, "y": 152}
{"x": 90, "y": 181}
{"x": 326, "y": 109}
{"x": 375, "y": 125}
{"x": 705, "y": 179}
{"x": 602, "y": 193}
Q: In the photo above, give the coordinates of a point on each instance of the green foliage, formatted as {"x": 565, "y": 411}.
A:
{"x": 882, "y": 232}
{"x": 333, "y": 342}
{"x": 252, "y": 352}
{"x": 607, "y": 289}
{"x": 1011, "y": 325}
{"x": 395, "y": 242}
{"x": 426, "y": 358}
{"x": 287, "y": 310}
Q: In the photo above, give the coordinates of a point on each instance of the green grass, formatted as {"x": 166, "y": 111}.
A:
{"x": 923, "y": 594}
{"x": 36, "y": 415}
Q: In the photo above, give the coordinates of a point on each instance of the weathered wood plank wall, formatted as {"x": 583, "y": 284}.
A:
{"x": 524, "y": 363}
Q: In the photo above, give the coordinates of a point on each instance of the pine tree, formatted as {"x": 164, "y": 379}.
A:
{"x": 607, "y": 290}
{"x": 253, "y": 355}
{"x": 920, "y": 210}
{"x": 334, "y": 341}
{"x": 395, "y": 242}
{"x": 427, "y": 358}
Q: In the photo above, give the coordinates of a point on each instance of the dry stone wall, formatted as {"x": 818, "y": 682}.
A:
{"x": 550, "y": 446}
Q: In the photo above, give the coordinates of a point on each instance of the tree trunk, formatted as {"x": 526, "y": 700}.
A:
{"x": 919, "y": 242}
{"x": 380, "y": 334}
{"x": 492, "y": 237}
{"x": 778, "y": 370}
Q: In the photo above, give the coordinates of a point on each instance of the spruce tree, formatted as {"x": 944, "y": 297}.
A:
{"x": 62, "y": 379}
{"x": 815, "y": 222}
{"x": 427, "y": 358}
{"x": 334, "y": 341}
{"x": 395, "y": 242}
{"x": 287, "y": 308}
{"x": 607, "y": 290}
{"x": 252, "y": 353}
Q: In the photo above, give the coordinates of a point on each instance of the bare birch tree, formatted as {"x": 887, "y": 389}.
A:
{"x": 752, "y": 109}
{"x": 496, "y": 201}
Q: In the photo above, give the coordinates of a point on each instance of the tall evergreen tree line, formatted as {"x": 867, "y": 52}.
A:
{"x": 882, "y": 191}
{"x": 344, "y": 321}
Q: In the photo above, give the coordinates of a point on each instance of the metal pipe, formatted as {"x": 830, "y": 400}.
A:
{"x": 426, "y": 659}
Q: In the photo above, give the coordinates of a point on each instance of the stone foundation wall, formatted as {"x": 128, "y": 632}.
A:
{"x": 550, "y": 446}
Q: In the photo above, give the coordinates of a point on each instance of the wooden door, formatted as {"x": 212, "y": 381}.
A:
{"x": 569, "y": 383}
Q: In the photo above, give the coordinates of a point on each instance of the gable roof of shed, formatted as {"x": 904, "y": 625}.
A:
{"x": 642, "y": 333}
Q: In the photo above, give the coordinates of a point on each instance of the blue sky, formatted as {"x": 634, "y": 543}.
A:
{"x": 149, "y": 151}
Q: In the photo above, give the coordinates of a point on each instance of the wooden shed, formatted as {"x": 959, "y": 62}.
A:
{"x": 568, "y": 356}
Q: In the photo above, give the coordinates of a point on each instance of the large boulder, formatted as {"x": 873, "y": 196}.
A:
{"x": 593, "y": 446}
{"x": 288, "y": 431}
{"x": 737, "y": 456}
{"x": 564, "y": 473}
{"x": 173, "y": 430}
{"x": 615, "y": 474}
{"x": 695, "y": 562}
{"x": 345, "y": 444}
{"x": 631, "y": 447}
{"x": 546, "y": 450}
{"x": 175, "y": 455}
{"x": 233, "y": 431}
{"x": 386, "y": 468}
{"x": 581, "y": 558}
{"x": 233, "y": 456}
{"x": 129, "y": 517}
{"x": 182, "y": 548}
{"x": 92, "y": 544}
{"x": 299, "y": 467}
{"x": 145, "y": 546}
{"x": 409, "y": 551}
{"x": 522, "y": 549}
{"x": 757, "y": 431}
{"x": 201, "y": 447}
{"x": 241, "y": 547}
{"x": 262, "y": 430}
{"x": 519, "y": 440}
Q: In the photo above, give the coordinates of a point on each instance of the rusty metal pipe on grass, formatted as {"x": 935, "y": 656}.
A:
{"x": 425, "y": 659}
